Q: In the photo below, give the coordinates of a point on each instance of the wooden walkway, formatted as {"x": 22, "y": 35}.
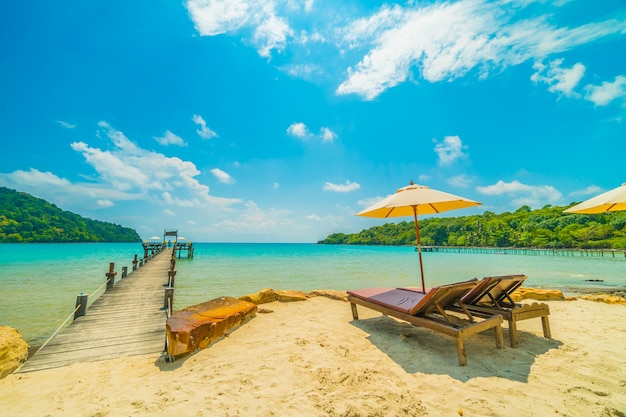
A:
{"x": 128, "y": 319}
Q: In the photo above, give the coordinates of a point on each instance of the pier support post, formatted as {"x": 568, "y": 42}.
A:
{"x": 171, "y": 275}
{"x": 124, "y": 271}
{"x": 135, "y": 263}
{"x": 81, "y": 300}
{"x": 111, "y": 275}
{"x": 168, "y": 302}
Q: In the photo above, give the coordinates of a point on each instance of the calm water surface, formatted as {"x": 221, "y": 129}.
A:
{"x": 40, "y": 282}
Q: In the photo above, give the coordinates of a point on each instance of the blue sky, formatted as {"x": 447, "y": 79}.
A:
{"x": 278, "y": 121}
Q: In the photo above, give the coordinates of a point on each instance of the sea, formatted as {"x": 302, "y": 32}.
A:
{"x": 39, "y": 282}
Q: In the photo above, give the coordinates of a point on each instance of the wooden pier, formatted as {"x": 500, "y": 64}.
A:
{"x": 601, "y": 253}
{"x": 128, "y": 319}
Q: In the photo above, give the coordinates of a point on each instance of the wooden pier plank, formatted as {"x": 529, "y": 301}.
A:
{"x": 126, "y": 320}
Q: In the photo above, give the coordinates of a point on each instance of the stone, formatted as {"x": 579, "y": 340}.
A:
{"x": 604, "y": 298}
{"x": 290, "y": 295}
{"x": 196, "y": 327}
{"x": 332, "y": 294}
{"x": 13, "y": 350}
{"x": 264, "y": 296}
{"x": 524, "y": 293}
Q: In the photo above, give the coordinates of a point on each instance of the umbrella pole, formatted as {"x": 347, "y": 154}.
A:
{"x": 419, "y": 248}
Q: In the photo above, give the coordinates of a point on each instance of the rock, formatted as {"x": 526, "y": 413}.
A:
{"x": 290, "y": 295}
{"x": 604, "y": 298}
{"x": 524, "y": 293}
{"x": 264, "y": 296}
{"x": 13, "y": 350}
{"x": 195, "y": 327}
{"x": 332, "y": 294}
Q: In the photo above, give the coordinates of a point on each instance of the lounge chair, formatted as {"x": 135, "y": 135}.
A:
{"x": 492, "y": 295}
{"x": 430, "y": 310}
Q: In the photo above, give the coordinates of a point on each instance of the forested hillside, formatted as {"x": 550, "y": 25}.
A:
{"x": 548, "y": 227}
{"x": 24, "y": 218}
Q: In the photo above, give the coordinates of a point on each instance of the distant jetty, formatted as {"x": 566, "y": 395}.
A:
{"x": 180, "y": 244}
{"x": 610, "y": 253}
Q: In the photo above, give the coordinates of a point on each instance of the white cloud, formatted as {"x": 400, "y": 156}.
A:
{"x": 560, "y": 80}
{"x": 168, "y": 212}
{"x": 66, "y": 124}
{"x": 105, "y": 203}
{"x": 275, "y": 185}
{"x": 448, "y": 40}
{"x": 222, "y": 176}
{"x": 299, "y": 130}
{"x": 522, "y": 194}
{"x": 204, "y": 132}
{"x": 449, "y": 150}
{"x": 342, "y": 188}
{"x": 327, "y": 135}
{"x": 128, "y": 172}
{"x": 605, "y": 93}
{"x": 462, "y": 181}
{"x": 216, "y": 17}
{"x": 170, "y": 138}
{"x": 590, "y": 190}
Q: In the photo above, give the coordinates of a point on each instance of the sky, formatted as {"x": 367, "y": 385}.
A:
{"x": 278, "y": 121}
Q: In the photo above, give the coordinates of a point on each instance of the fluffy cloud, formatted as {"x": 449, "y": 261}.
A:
{"x": 299, "y": 130}
{"x": 605, "y": 93}
{"x": 450, "y": 150}
{"x": 170, "y": 138}
{"x": 347, "y": 187}
{"x": 215, "y": 17}
{"x": 124, "y": 172}
{"x": 522, "y": 194}
{"x": 561, "y": 80}
{"x": 448, "y": 40}
{"x": 222, "y": 176}
{"x": 204, "y": 132}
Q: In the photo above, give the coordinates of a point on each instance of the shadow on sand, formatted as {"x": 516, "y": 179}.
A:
{"x": 419, "y": 350}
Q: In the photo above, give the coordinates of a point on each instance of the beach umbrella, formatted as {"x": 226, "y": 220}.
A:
{"x": 413, "y": 200}
{"x": 155, "y": 238}
{"x": 614, "y": 200}
{"x": 181, "y": 238}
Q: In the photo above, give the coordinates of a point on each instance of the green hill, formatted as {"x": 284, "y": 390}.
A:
{"x": 548, "y": 227}
{"x": 24, "y": 218}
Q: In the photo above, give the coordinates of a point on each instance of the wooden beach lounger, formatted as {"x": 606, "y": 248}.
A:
{"x": 492, "y": 295}
{"x": 430, "y": 310}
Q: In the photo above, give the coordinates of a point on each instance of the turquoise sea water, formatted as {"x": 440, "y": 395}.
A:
{"x": 40, "y": 282}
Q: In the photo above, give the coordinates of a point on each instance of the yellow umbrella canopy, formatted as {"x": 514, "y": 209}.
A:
{"x": 416, "y": 199}
{"x": 614, "y": 200}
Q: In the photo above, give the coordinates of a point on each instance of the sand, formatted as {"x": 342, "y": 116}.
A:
{"x": 309, "y": 358}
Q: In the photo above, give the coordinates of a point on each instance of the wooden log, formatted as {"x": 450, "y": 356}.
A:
{"x": 196, "y": 327}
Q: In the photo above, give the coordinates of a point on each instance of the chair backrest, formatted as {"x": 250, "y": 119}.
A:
{"x": 444, "y": 296}
{"x": 494, "y": 290}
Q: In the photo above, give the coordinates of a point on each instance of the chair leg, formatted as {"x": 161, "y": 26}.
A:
{"x": 546, "y": 327}
{"x": 355, "y": 315}
{"x": 513, "y": 333}
{"x": 499, "y": 336}
{"x": 460, "y": 351}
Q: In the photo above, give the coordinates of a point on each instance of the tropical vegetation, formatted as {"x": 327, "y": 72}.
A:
{"x": 547, "y": 227}
{"x": 24, "y": 218}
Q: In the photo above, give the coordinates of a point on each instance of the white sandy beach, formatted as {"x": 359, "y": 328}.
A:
{"x": 310, "y": 358}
